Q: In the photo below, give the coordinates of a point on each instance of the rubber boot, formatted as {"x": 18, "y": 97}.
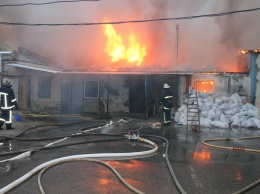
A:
{"x": 9, "y": 126}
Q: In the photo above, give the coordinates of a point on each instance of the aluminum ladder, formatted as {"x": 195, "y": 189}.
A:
{"x": 193, "y": 115}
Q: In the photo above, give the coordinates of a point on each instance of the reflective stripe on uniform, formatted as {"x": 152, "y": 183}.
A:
{"x": 166, "y": 97}
{"x": 8, "y": 108}
{"x": 166, "y": 108}
{"x": 164, "y": 119}
{"x": 10, "y": 118}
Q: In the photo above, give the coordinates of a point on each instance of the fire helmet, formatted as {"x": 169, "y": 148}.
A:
{"x": 6, "y": 82}
{"x": 166, "y": 85}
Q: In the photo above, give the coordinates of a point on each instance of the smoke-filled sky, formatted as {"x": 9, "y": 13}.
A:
{"x": 204, "y": 44}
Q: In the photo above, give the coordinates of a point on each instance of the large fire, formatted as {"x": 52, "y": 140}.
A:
{"x": 120, "y": 49}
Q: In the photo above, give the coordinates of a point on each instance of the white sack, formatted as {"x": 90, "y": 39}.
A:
{"x": 253, "y": 113}
{"x": 218, "y": 101}
{"x": 224, "y": 118}
{"x": 243, "y": 121}
{"x": 235, "y": 121}
{"x": 248, "y": 106}
{"x": 177, "y": 117}
{"x": 205, "y": 122}
{"x": 219, "y": 124}
{"x": 257, "y": 122}
{"x": 224, "y": 106}
{"x": 203, "y": 95}
{"x": 250, "y": 123}
{"x": 183, "y": 119}
{"x": 236, "y": 98}
{"x": 224, "y": 99}
{"x": 204, "y": 114}
{"x": 211, "y": 114}
{"x": 183, "y": 108}
{"x": 218, "y": 113}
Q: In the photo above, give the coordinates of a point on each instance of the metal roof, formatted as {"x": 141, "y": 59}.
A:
{"x": 35, "y": 67}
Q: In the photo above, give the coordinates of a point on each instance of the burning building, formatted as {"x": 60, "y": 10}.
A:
{"x": 40, "y": 85}
{"x": 127, "y": 71}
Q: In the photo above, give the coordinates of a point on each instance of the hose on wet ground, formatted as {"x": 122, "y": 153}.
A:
{"x": 176, "y": 181}
{"x": 137, "y": 130}
{"x": 248, "y": 187}
{"x": 49, "y": 138}
{"x": 235, "y": 149}
{"x": 82, "y": 156}
{"x": 46, "y": 114}
{"x": 231, "y": 148}
{"x": 35, "y": 149}
{"x": 88, "y": 160}
{"x": 62, "y": 124}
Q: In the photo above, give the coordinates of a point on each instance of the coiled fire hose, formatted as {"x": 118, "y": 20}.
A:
{"x": 82, "y": 156}
{"x": 231, "y": 148}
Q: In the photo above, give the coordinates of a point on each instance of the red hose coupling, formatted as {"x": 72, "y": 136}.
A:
{"x": 239, "y": 149}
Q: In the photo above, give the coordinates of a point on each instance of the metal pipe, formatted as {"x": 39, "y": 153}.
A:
{"x": 107, "y": 92}
{"x": 145, "y": 90}
{"x": 1, "y": 64}
{"x": 253, "y": 77}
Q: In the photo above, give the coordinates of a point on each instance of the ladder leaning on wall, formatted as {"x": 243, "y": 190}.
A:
{"x": 193, "y": 115}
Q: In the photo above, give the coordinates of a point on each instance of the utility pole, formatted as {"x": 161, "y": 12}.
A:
{"x": 177, "y": 47}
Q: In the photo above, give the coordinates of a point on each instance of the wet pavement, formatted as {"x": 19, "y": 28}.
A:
{"x": 199, "y": 169}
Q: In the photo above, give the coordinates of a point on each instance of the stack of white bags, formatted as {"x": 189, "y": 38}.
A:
{"x": 221, "y": 111}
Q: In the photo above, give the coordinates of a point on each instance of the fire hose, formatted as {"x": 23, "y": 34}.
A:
{"x": 231, "y": 148}
{"x": 235, "y": 149}
{"x": 88, "y": 160}
{"x": 82, "y": 156}
{"x": 83, "y": 133}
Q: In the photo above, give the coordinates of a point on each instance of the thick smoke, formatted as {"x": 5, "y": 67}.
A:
{"x": 7, "y": 38}
{"x": 205, "y": 44}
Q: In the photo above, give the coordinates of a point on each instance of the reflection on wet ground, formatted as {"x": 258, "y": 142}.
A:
{"x": 198, "y": 168}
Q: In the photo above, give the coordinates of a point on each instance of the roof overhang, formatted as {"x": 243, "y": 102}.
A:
{"x": 152, "y": 73}
{"x": 37, "y": 67}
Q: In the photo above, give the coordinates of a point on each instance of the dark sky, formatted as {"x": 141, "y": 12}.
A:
{"x": 204, "y": 43}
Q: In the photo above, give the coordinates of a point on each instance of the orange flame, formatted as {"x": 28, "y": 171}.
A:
{"x": 118, "y": 51}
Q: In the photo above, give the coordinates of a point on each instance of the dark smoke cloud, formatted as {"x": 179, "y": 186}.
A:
{"x": 204, "y": 43}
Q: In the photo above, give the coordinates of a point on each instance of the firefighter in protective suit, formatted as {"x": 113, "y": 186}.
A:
{"x": 8, "y": 102}
{"x": 166, "y": 101}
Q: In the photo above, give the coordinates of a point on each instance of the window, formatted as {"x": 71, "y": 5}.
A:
{"x": 44, "y": 87}
{"x": 91, "y": 89}
{"x": 205, "y": 86}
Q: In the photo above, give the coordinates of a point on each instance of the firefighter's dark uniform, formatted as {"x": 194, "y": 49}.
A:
{"x": 167, "y": 103}
{"x": 8, "y": 102}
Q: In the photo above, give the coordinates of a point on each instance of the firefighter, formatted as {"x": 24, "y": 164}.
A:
{"x": 166, "y": 101}
{"x": 8, "y": 102}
